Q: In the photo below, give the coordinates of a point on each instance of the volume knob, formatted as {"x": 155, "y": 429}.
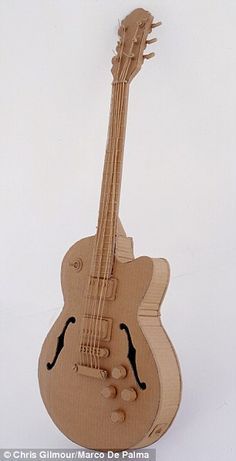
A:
{"x": 109, "y": 392}
{"x": 119, "y": 372}
{"x": 118, "y": 416}
{"x": 129, "y": 395}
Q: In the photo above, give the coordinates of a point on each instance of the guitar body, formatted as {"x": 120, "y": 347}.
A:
{"x": 80, "y": 405}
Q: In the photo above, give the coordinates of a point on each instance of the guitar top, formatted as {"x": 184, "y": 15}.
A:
{"x": 108, "y": 373}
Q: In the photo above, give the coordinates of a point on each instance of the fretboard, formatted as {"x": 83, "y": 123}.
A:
{"x": 105, "y": 240}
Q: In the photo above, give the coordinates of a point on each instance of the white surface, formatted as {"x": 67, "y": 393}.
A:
{"x": 178, "y": 195}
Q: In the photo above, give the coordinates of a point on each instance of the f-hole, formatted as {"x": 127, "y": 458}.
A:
{"x": 60, "y": 343}
{"x": 132, "y": 356}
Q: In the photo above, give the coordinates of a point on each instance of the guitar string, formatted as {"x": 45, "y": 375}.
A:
{"x": 100, "y": 316}
{"x": 90, "y": 286}
{"x": 104, "y": 287}
{"x": 104, "y": 208}
{"x": 105, "y": 279}
{"x": 95, "y": 264}
{"x": 106, "y": 273}
{"x": 113, "y": 226}
{"x": 122, "y": 102}
{"x": 103, "y": 225}
{"x": 114, "y": 222}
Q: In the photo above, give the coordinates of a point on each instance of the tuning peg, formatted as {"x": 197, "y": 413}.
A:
{"x": 156, "y": 24}
{"x": 149, "y": 56}
{"x": 152, "y": 40}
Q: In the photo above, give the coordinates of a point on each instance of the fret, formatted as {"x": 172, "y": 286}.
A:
{"x": 110, "y": 153}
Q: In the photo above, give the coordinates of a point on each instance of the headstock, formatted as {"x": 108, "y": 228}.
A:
{"x": 133, "y": 32}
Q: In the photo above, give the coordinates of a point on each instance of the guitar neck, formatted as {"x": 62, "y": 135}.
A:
{"x": 105, "y": 240}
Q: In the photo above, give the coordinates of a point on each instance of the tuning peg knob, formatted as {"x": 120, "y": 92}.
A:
{"x": 149, "y": 56}
{"x": 156, "y": 24}
{"x": 152, "y": 40}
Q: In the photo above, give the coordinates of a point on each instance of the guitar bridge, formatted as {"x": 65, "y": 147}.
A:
{"x": 100, "y": 352}
{"x": 90, "y": 372}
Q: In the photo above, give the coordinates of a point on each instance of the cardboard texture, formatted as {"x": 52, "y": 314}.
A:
{"x": 108, "y": 373}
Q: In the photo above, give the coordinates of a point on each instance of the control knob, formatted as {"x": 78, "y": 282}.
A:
{"x": 109, "y": 392}
{"x": 119, "y": 372}
{"x": 129, "y": 395}
{"x": 118, "y": 416}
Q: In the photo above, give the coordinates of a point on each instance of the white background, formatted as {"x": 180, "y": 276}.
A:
{"x": 178, "y": 195}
